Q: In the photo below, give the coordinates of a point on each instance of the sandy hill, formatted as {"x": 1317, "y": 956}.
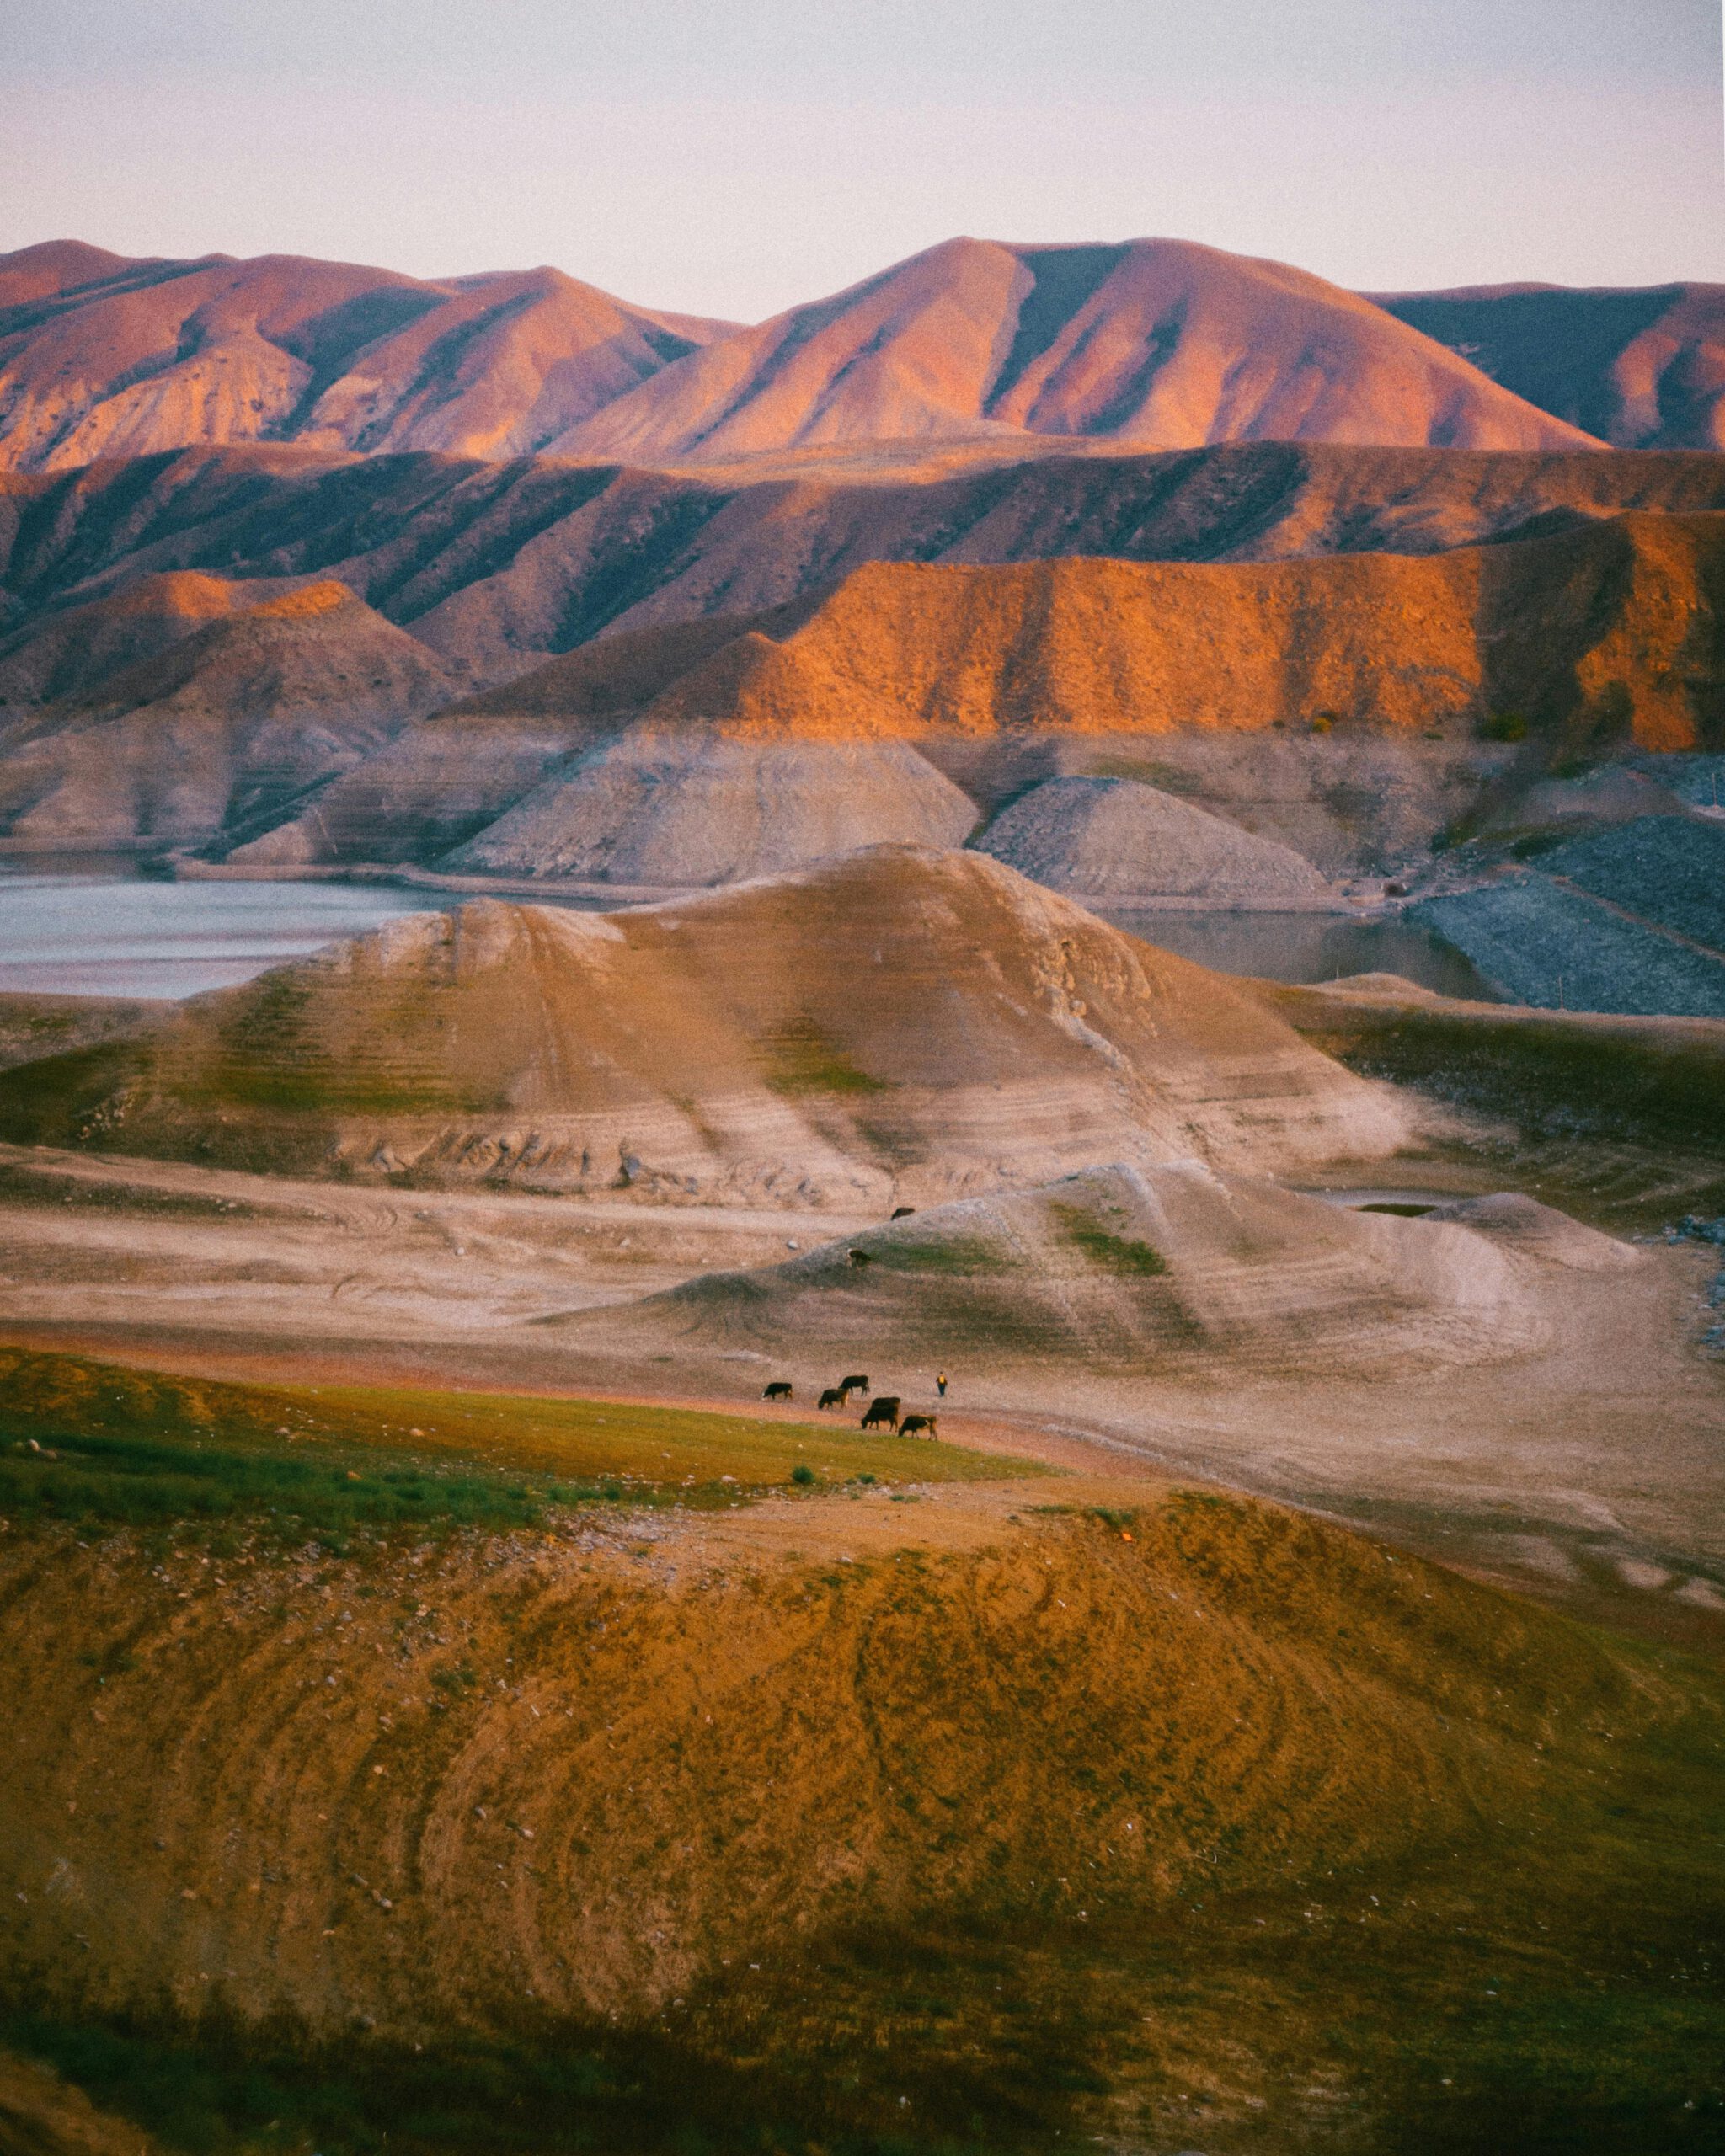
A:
{"x": 1119, "y": 1269}
{"x": 1155, "y": 341}
{"x": 227, "y": 725}
{"x": 1644, "y": 368}
{"x": 498, "y": 564}
{"x": 1118, "y": 837}
{"x": 674, "y": 809}
{"x": 103, "y": 357}
{"x": 893, "y": 1025}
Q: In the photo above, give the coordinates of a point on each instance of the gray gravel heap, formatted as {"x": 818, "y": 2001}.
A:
{"x": 678, "y": 811}
{"x": 1670, "y": 870}
{"x": 1542, "y": 943}
{"x": 1119, "y": 838}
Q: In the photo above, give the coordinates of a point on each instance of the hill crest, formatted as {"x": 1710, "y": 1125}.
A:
{"x": 886, "y": 1026}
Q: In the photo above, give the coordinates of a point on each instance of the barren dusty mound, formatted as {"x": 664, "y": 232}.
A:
{"x": 894, "y": 1022}
{"x": 1118, "y": 1269}
{"x": 221, "y": 729}
{"x": 1117, "y": 836}
{"x": 668, "y": 809}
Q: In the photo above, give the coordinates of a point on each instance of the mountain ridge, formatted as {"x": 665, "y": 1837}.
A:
{"x": 1163, "y": 342}
{"x": 498, "y": 565}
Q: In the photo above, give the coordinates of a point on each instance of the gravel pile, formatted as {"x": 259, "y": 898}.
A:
{"x": 1542, "y": 943}
{"x": 679, "y": 812}
{"x": 1118, "y": 838}
{"x": 1670, "y": 870}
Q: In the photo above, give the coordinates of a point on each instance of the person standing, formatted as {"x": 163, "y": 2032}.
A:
{"x": 941, "y": 1384}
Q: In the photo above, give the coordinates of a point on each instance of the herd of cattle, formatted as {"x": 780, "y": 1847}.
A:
{"x": 883, "y": 1409}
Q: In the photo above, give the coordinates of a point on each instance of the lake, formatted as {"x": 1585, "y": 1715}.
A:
{"x": 96, "y": 935}
{"x": 83, "y": 931}
{"x": 1306, "y": 946}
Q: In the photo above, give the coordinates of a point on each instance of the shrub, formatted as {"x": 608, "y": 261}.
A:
{"x": 1504, "y": 726}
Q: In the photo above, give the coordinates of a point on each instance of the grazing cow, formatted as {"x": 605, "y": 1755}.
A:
{"x": 834, "y": 1397}
{"x": 884, "y": 1409}
{"x": 903, "y": 1212}
{"x": 920, "y": 1426}
{"x": 778, "y": 1390}
{"x": 860, "y": 1256}
{"x": 853, "y": 1384}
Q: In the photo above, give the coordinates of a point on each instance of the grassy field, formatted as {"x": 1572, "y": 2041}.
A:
{"x": 82, "y": 1441}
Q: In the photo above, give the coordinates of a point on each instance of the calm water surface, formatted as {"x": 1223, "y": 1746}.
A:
{"x": 1306, "y": 946}
{"x": 81, "y": 930}
{"x": 94, "y": 935}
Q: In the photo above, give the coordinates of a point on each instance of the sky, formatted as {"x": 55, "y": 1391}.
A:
{"x": 732, "y": 158}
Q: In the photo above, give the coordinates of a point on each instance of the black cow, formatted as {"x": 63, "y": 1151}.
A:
{"x": 903, "y": 1212}
{"x": 860, "y": 1256}
{"x": 854, "y": 1384}
{"x": 778, "y": 1390}
{"x": 883, "y": 1409}
{"x": 920, "y": 1426}
{"x": 834, "y": 1397}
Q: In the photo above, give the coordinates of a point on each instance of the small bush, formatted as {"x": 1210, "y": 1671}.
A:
{"x": 802, "y": 1475}
{"x": 1504, "y": 726}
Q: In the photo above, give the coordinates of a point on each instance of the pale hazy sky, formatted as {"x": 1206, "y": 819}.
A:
{"x": 733, "y": 156}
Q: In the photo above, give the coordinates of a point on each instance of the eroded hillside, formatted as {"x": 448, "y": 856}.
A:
{"x": 496, "y": 564}
{"x": 835, "y": 1815}
{"x": 894, "y": 1023}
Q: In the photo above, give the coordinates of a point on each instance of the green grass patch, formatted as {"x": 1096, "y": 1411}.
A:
{"x": 956, "y": 1254}
{"x": 803, "y": 1058}
{"x": 1118, "y": 1254}
{"x": 82, "y": 1441}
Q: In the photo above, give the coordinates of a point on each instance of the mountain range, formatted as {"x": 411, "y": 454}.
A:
{"x": 1159, "y": 344}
